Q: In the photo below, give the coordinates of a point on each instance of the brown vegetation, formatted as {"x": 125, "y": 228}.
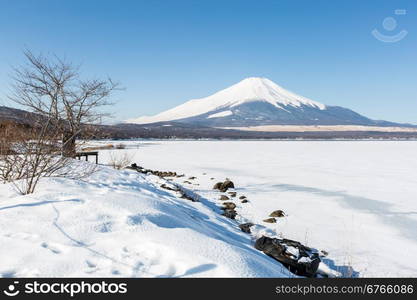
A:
{"x": 53, "y": 89}
{"x": 28, "y": 154}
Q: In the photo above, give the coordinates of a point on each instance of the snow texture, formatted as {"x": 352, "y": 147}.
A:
{"x": 121, "y": 223}
{"x": 354, "y": 199}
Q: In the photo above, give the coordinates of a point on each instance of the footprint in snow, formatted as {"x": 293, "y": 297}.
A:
{"x": 23, "y": 236}
{"x": 90, "y": 264}
{"x": 52, "y": 247}
{"x": 91, "y": 267}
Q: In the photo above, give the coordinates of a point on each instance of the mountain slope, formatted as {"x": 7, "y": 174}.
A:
{"x": 258, "y": 101}
{"x": 9, "y": 114}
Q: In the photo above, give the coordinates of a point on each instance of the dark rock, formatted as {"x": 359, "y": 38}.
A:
{"x": 323, "y": 253}
{"x": 277, "y": 214}
{"x": 188, "y": 182}
{"x": 270, "y": 220}
{"x": 224, "y": 186}
{"x": 185, "y": 196}
{"x": 232, "y": 194}
{"x": 135, "y": 167}
{"x": 217, "y": 186}
{"x": 153, "y": 172}
{"x": 244, "y": 201}
{"x": 242, "y": 197}
{"x": 245, "y": 227}
{"x": 230, "y": 213}
{"x": 192, "y": 178}
{"x": 228, "y": 184}
{"x": 224, "y": 198}
{"x": 164, "y": 186}
{"x": 305, "y": 263}
{"x": 229, "y": 205}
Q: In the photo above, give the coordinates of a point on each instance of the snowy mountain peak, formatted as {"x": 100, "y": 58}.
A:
{"x": 263, "y": 89}
{"x": 252, "y": 89}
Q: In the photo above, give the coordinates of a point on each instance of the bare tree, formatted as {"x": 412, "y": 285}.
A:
{"x": 64, "y": 107}
{"x": 54, "y": 89}
{"x": 28, "y": 154}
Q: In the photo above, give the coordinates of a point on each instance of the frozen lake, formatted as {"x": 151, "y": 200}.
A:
{"x": 354, "y": 199}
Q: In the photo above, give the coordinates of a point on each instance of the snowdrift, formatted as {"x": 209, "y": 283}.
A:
{"x": 121, "y": 223}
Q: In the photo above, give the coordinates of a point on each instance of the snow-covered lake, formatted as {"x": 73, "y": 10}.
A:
{"x": 355, "y": 199}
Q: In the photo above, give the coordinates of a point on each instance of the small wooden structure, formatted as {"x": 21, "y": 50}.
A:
{"x": 87, "y": 154}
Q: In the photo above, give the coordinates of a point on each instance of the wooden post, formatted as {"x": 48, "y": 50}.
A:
{"x": 86, "y": 155}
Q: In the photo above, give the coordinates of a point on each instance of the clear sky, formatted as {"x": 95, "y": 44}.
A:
{"x": 167, "y": 52}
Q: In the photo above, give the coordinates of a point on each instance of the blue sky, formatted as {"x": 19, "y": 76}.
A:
{"x": 167, "y": 52}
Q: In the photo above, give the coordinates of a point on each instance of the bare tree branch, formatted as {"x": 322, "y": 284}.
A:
{"x": 54, "y": 89}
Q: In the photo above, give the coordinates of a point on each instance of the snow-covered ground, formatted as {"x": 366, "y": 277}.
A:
{"x": 121, "y": 223}
{"x": 354, "y": 199}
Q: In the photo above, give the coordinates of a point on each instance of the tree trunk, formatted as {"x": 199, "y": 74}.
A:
{"x": 68, "y": 145}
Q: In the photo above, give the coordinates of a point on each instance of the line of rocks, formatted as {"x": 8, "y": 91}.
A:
{"x": 162, "y": 174}
{"x": 228, "y": 207}
{"x": 175, "y": 188}
{"x": 184, "y": 194}
{"x": 297, "y": 258}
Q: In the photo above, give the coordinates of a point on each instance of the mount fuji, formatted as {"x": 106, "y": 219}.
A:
{"x": 258, "y": 101}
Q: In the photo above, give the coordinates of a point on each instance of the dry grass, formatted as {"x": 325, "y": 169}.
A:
{"x": 120, "y": 159}
{"x": 96, "y": 148}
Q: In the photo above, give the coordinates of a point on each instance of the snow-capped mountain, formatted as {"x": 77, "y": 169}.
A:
{"x": 257, "y": 101}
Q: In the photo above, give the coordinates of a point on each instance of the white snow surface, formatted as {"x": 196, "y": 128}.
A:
{"x": 221, "y": 114}
{"x": 354, "y": 199}
{"x": 121, "y": 223}
{"x": 248, "y": 90}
